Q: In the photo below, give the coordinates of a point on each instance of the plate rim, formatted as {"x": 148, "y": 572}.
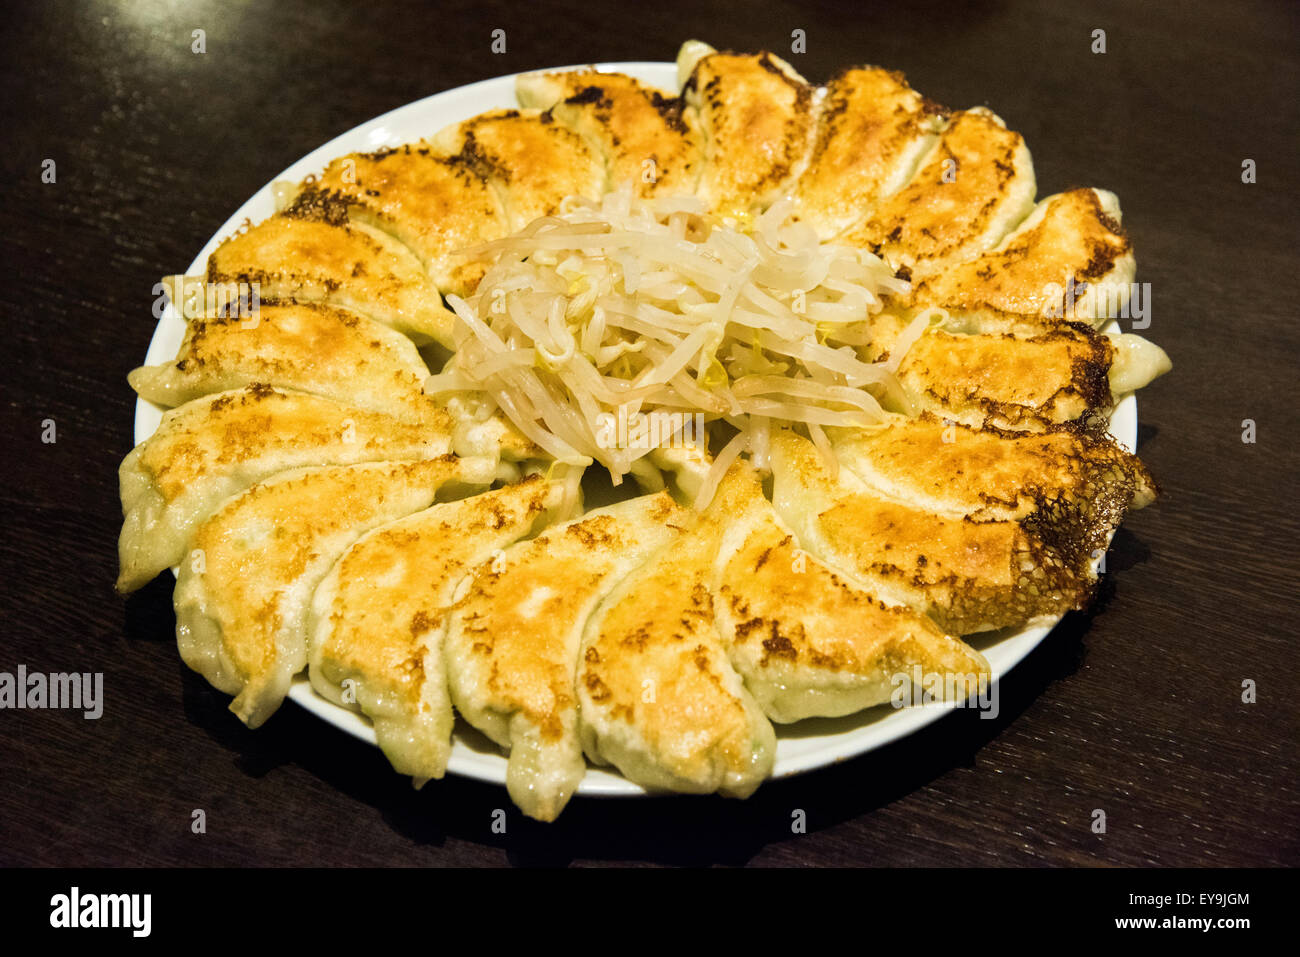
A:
{"x": 862, "y": 735}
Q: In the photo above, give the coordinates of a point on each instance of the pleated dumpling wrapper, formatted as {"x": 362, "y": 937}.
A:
{"x": 968, "y": 575}
{"x": 513, "y": 642}
{"x": 872, "y": 131}
{"x": 208, "y": 450}
{"x": 327, "y": 351}
{"x": 1075, "y": 480}
{"x": 1028, "y": 382}
{"x": 973, "y": 188}
{"x": 434, "y": 203}
{"x": 376, "y": 626}
{"x": 1009, "y": 381}
{"x": 312, "y": 253}
{"x": 1072, "y": 240}
{"x": 244, "y": 592}
{"x": 657, "y": 697}
{"x": 308, "y": 347}
{"x": 1010, "y": 371}
{"x": 532, "y": 161}
{"x": 810, "y": 641}
{"x": 646, "y": 137}
{"x": 756, "y": 117}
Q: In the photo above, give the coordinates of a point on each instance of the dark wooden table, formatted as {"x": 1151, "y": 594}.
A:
{"x": 1135, "y": 709}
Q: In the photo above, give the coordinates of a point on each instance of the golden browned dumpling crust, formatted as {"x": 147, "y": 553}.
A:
{"x": 308, "y": 347}
{"x": 243, "y": 597}
{"x": 434, "y": 203}
{"x": 809, "y": 641}
{"x": 1009, "y": 381}
{"x": 973, "y": 188}
{"x": 872, "y": 130}
{"x": 1072, "y": 237}
{"x": 299, "y": 257}
{"x": 531, "y": 160}
{"x": 755, "y": 113}
{"x": 513, "y": 642}
{"x": 657, "y": 696}
{"x": 208, "y": 450}
{"x": 1069, "y": 486}
{"x": 645, "y": 137}
{"x": 377, "y": 621}
{"x": 967, "y": 574}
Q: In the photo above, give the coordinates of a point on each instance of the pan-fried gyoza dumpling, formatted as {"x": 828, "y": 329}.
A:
{"x": 434, "y": 203}
{"x": 1070, "y": 236}
{"x": 308, "y": 347}
{"x": 311, "y": 253}
{"x": 1013, "y": 382}
{"x": 1033, "y": 375}
{"x": 1134, "y": 361}
{"x": 210, "y": 449}
{"x": 533, "y": 161}
{"x": 513, "y": 640}
{"x": 972, "y": 189}
{"x": 1068, "y": 486}
{"x": 243, "y": 595}
{"x": 1063, "y": 475}
{"x": 808, "y": 641}
{"x": 657, "y": 696}
{"x": 376, "y": 624}
{"x": 755, "y": 113}
{"x": 872, "y": 130}
{"x": 967, "y": 575}
{"x": 644, "y": 137}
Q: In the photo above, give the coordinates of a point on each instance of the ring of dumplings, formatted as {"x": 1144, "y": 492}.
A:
{"x": 419, "y": 556}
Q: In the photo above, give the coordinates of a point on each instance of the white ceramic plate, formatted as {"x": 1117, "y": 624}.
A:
{"x": 801, "y": 747}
